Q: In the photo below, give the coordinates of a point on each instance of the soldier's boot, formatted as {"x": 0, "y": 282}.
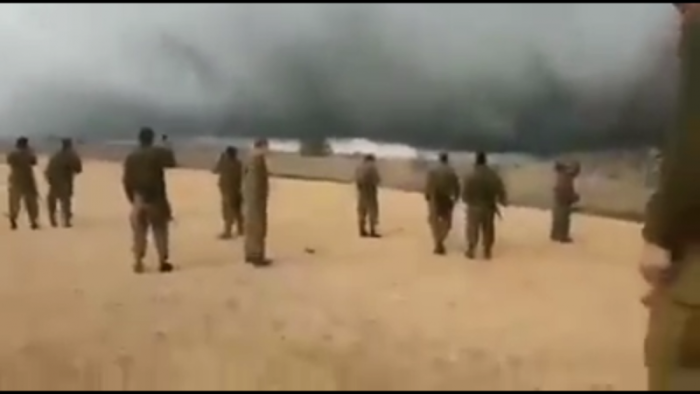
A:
{"x": 440, "y": 249}
{"x": 373, "y": 233}
{"x": 139, "y": 267}
{"x": 471, "y": 252}
{"x": 34, "y": 225}
{"x": 67, "y": 221}
{"x": 52, "y": 221}
{"x": 165, "y": 267}
{"x": 363, "y": 232}
{"x": 13, "y": 224}
{"x": 487, "y": 253}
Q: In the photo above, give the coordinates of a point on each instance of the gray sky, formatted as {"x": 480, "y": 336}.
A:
{"x": 196, "y": 56}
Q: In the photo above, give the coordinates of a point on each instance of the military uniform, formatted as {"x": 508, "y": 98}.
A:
{"x": 564, "y": 198}
{"x": 256, "y": 190}
{"x": 482, "y": 191}
{"x": 230, "y": 177}
{"x": 441, "y": 193}
{"x": 60, "y": 172}
{"x": 145, "y": 187}
{"x": 367, "y": 182}
{"x": 22, "y": 187}
{"x": 672, "y": 346}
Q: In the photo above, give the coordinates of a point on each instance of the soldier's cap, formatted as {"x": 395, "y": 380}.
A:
{"x": 369, "y": 157}
{"x": 480, "y": 158}
{"x": 146, "y": 135}
{"x": 444, "y": 157}
{"x": 231, "y": 150}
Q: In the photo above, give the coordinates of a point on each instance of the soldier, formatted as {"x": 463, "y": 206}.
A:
{"x": 145, "y": 187}
{"x": 441, "y": 193}
{"x": 670, "y": 261}
{"x": 60, "y": 172}
{"x": 482, "y": 192}
{"x": 22, "y": 184}
{"x": 256, "y": 188}
{"x": 564, "y": 199}
{"x": 367, "y": 181}
{"x": 230, "y": 172}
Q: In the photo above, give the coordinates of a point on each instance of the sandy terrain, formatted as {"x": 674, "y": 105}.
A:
{"x": 356, "y": 314}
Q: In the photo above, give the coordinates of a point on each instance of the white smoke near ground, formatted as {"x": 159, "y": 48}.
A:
{"x": 433, "y": 74}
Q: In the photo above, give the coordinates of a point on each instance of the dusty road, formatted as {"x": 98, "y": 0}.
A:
{"x": 356, "y": 314}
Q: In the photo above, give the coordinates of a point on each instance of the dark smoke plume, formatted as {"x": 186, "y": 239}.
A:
{"x": 527, "y": 77}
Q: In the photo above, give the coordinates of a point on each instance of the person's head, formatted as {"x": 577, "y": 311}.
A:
{"x": 232, "y": 152}
{"x": 261, "y": 145}
{"x": 481, "y": 159}
{"x": 66, "y": 143}
{"x": 22, "y": 143}
{"x": 164, "y": 137}
{"x": 146, "y": 136}
{"x": 369, "y": 158}
{"x": 444, "y": 158}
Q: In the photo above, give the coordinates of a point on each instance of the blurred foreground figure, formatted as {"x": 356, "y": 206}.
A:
{"x": 60, "y": 173}
{"x": 670, "y": 261}
{"x": 367, "y": 181}
{"x": 482, "y": 191}
{"x": 256, "y": 190}
{"x": 441, "y": 194}
{"x": 145, "y": 188}
{"x": 230, "y": 173}
{"x": 563, "y": 200}
{"x": 22, "y": 187}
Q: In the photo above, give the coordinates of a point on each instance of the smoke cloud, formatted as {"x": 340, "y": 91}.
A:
{"x": 528, "y": 77}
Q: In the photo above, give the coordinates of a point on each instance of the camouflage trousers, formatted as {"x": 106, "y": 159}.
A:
{"x": 480, "y": 225}
{"x": 232, "y": 213}
{"x": 152, "y": 218}
{"x": 56, "y": 199}
{"x": 31, "y": 204}
{"x": 561, "y": 222}
{"x": 440, "y": 220}
{"x": 255, "y": 232}
{"x": 367, "y": 212}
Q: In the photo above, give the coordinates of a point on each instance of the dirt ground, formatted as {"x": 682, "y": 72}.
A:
{"x": 335, "y": 312}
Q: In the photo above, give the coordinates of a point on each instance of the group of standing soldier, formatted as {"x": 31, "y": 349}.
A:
{"x": 482, "y": 190}
{"x": 60, "y": 173}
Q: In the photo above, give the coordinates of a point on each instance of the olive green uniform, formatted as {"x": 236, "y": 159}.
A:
{"x": 145, "y": 187}
{"x": 441, "y": 192}
{"x": 60, "y": 173}
{"x": 256, "y": 189}
{"x": 22, "y": 187}
{"x": 672, "y": 346}
{"x": 230, "y": 179}
{"x": 563, "y": 200}
{"x": 482, "y": 191}
{"x": 367, "y": 182}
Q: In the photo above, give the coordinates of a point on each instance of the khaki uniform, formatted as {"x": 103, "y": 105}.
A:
{"x": 482, "y": 191}
{"x": 367, "y": 182}
{"x": 672, "y": 345}
{"x": 564, "y": 199}
{"x": 60, "y": 172}
{"x": 256, "y": 188}
{"x": 145, "y": 186}
{"x": 441, "y": 193}
{"x": 22, "y": 187}
{"x": 230, "y": 172}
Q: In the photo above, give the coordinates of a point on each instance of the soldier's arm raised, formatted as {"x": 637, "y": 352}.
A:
{"x": 169, "y": 160}
{"x": 77, "y": 164}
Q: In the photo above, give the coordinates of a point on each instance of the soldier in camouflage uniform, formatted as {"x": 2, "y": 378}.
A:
{"x": 256, "y": 190}
{"x": 670, "y": 261}
{"x": 60, "y": 173}
{"x": 145, "y": 187}
{"x": 563, "y": 201}
{"x": 482, "y": 192}
{"x": 22, "y": 187}
{"x": 230, "y": 173}
{"x": 367, "y": 182}
{"x": 441, "y": 193}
